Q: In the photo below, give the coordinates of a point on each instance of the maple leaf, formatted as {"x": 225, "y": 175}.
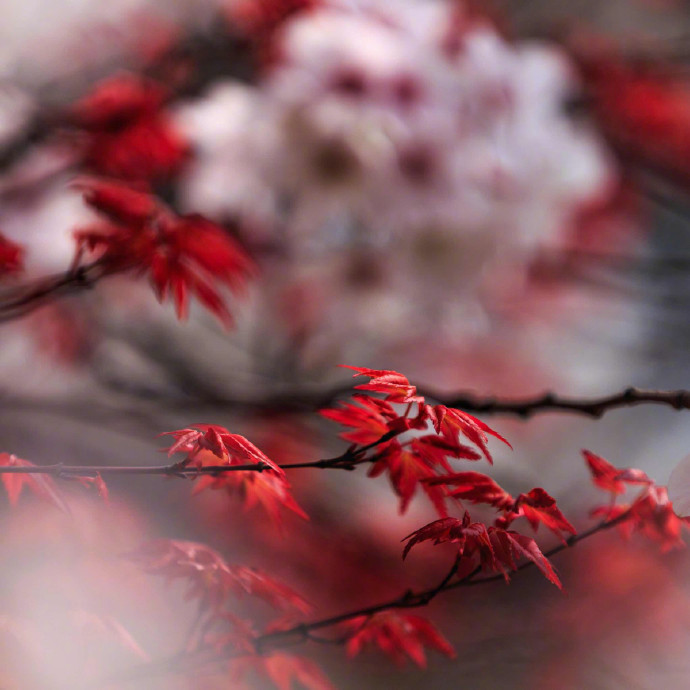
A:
{"x": 395, "y": 386}
{"x": 129, "y": 135}
{"x": 120, "y": 202}
{"x": 470, "y": 538}
{"x": 370, "y": 418}
{"x": 39, "y": 484}
{"x": 611, "y": 478}
{"x": 406, "y": 468}
{"x": 11, "y": 257}
{"x": 540, "y": 508}
{"x": 207, "y": 444}
{"x": 232, "y": 449}
{"x": 210, "y": 578}
{"x": 282, "y": 670}
{"x": 398, "y": 635}
{"x": 475, "y": 487}
{"x": 452, "y": 422}
{"x": 652, "y": 515}
{"x": 182, "y": 255}
{"x": 509, "y": 547}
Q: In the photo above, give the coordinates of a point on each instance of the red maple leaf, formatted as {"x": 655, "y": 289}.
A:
{"x": 475, "y": 487}
{"x": 471, "y": 538}
{"x": 370, "y": 418}
{"x": 395, "y": 386}
{"x": 120, "y": 203}
{"x": 210, "y": 579}
{"x": 452, "y": 422}
{"x": 398, "y": 635}
{"x": 129, "y": 136}
{"x": 182, "y": 255}
{"x": 39, "y": 484}
{"x": 510, "y": 547}
{"x": 406, "y": 468}
{"x": 232, "y": 449}
{"x": 611, "y": 478}
{"x": 210, "y": 445}
{"x": 651, "y": 514}
{"x": 540, "y": 508}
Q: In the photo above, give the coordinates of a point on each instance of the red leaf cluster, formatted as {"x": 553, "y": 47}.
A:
{"x": 395, "y": 386}
{"x": 537, "y": 506}
{"x": 210, "y": 580}
{"x": 209, "y": 445}
{"x": 493, "y": 549}
{"x": 650, "y": 513}
{"x": 128, "y": 134}
{"x": 180, "y": 254}
{"x": 645, "y": 111}
{"x": 398, "y": 635}
{"x": 11, "y": 257}
{"x": 418, "y": 459}
{"x": 39, "y": 484}
{"x": 610, "y": 478}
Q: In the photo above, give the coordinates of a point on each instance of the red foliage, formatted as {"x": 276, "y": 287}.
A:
{"x": 370, "y": 420}
{"x": 610, "y": 478}
{"x": 650, "y": 514}
{"x": 493, "y": 549}
{"x": 129, "y": 135}
{"x": 395, "y": 386}
{"x": 406, "y": 469}
{"x": 453, "y": 422}
{"x": 214, "y": 445}
{"x": 644, "y": 111}
{"x": 420, "y": 459}
{"x": 398, "y": 635}
{"x": 11, "y": 257}
{"x": 210, "y": 579}
{"x": 540, "y": 508}
{"x": 180, "y": 254}
{"x": 39, "y": 484}
{"x": 476, "y": 487}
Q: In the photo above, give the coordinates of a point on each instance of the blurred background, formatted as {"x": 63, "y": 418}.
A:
{"x": 487, "y": 197}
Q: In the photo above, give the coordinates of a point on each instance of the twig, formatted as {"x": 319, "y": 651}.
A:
{"x": 304, "y": 632}
{"x": 346, "y": 461}
{"x": 551, "y": 402}
{"x": 412, "y": 599}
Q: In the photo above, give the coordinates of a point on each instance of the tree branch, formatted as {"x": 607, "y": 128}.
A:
{"x": 304, "y": 632}
{"x": 348, "y": 460}
{"x": 411, "y": 599}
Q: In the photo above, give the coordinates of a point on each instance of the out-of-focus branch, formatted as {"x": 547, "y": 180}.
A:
{"x": 17, "y": 302}
{"x": 411, "y": 599}
{"x": 304, "y": 632}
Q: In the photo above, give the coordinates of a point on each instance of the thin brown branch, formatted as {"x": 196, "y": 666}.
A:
{"x": 305, "y": 632}
{"x": 551, "y": 402}
{"x": 17, "y": 302}
{"x": 348, "y": 460}
{"x": 412, "y": 599}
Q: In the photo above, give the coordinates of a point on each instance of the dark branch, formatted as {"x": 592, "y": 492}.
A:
{"x": 305, "y": 632}
{"x": 348, "y": 460}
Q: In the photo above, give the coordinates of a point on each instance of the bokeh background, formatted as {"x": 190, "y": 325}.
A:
{"x": 486, "y": 198}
